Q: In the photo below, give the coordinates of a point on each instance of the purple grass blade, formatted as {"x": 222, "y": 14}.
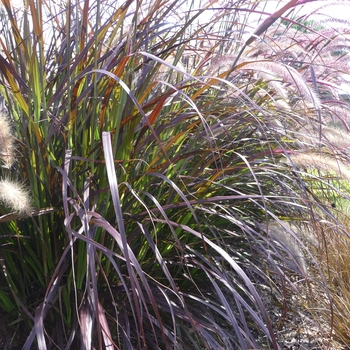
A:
{"x": 39, "y": 327}
{"x": 133, "y": 279}
{"x": 241, "y": 273}
{"x": 225, "y": 280}
{"x": 270, "y": 20}
{"x": 86, "y": 326}
{"x": 113, "y": 183}
{"x": 106, "y": 333}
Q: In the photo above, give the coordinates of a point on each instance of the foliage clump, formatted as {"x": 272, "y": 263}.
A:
{"x": 154, "y": 185}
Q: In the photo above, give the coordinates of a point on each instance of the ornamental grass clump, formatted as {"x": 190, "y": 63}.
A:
{"x": 153, "y": 194}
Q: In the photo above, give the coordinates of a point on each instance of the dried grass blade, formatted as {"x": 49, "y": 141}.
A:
{"x": 9, "y": 75}
{"x": 36, "y": 17}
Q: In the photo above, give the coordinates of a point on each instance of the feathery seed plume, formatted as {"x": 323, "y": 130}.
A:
{"x": 285, "y": 238}
{"x": 15, "y": 197}
{"x": 288, "y": 74}
{"x": 6, "y": 142}
{"x": 322, "y": 163}
{"x": 269, "y": 71}
{"x": 330, "y": 135}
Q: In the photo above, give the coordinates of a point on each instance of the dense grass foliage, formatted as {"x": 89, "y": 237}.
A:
{"x": 158, "y": 154}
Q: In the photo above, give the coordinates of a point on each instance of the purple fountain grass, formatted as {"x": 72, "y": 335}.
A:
{"x": 149, "y": 193}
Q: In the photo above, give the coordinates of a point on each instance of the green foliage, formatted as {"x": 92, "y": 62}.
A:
{"x": 152, "y": 187}
{"x": 304, "y": 25}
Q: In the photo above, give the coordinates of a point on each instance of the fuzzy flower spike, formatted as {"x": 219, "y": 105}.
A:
{"x": 6, "y": 142}
{"x": 14, "y": 197}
